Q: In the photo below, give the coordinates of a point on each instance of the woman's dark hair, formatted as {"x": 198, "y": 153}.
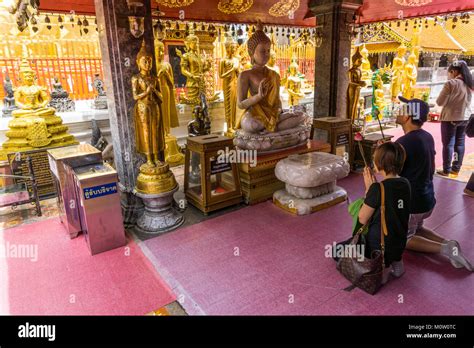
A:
{"x": 461, "y": 67}
{"x": 390, "y": 158}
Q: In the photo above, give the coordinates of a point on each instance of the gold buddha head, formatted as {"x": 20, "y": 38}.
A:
{"x": 230, "y": 45}
{"x": 144, "y": 58}
{"x": 159, "y": 50}
{"x": 401, "y": 50}
{"x": 191, "y": 41}
{"x": 272, "y": 60}
{"x": 27, "y": 75}
{"x": 259, "y": 46}
{"x": 294, "y": 68}
{"x": 364, "y": 52}
{"x": 412, "y": 58}
{"x": 357, "y": 58}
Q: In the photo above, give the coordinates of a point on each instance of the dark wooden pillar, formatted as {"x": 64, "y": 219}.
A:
{"x": 333, "y": 56}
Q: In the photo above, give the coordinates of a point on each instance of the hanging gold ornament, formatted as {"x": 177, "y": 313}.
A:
{"x": 284, "y": 8}
{"x": 175, "y": 3}
{"x": 234, "y": 6}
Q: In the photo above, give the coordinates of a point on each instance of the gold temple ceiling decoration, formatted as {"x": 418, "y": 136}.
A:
{"x": 175, "y": 3}
{"x": 234, "y": 6}
{"x": 284, "y": 8}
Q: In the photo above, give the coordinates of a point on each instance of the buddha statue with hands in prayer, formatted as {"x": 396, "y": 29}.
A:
{"x": 259, "y": 92}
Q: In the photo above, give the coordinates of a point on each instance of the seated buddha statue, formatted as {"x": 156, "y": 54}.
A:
{"x": 259, "y": 92}
{"x": 30, "y": 98}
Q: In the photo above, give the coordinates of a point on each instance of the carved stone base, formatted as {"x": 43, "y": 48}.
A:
{"x": 159, "y": 215}
{"x": 299, "y": 206}
{"x": 271, "y": 142}
{"x": 100, "y": 103}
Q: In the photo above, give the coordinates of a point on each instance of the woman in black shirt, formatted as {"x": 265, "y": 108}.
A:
{"x": 388, "y": 159}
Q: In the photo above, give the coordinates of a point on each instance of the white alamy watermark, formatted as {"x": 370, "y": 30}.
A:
{"x": 237, "y": 156}
{"x": 356, "y": 251}
{"x": 37, "y": 331}
{"x": 19, "y": 251}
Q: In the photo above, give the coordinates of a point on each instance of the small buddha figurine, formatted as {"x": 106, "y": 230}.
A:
{"x": 294, "y": 85}
{"x": 398, "y": 67}
{"x": 194, "y": 66}
{"x": 272, "y": 62}
{"x": 259, "y": 92}
{"x": 355, "y": 84}
{"x": 365, "y": 67}
{"x": 149, "y": 130}
{"x": 60, "y": 98}
{"x": 409, "y": 77}
{"x": 9, "y": 99}
{"x": 100, "y": 100}
{"x": 229, "y": 69}
{"x": 31, "y": 99}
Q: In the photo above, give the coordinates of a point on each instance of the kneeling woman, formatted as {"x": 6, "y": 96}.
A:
{"x": 388, "y": 159}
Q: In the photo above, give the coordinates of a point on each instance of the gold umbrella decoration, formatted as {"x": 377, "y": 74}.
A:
{"x": 175, "y": 3}
{"x": 234, "y": 6}
{"x": 284, "y": 8}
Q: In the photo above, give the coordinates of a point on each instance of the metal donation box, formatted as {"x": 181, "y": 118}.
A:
{"x": 99, "y": 206}
{"x": 62, "y": 161}
{"x": 211, "y": 181}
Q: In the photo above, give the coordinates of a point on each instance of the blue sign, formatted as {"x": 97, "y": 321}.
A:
{"x": 99, "y": 191}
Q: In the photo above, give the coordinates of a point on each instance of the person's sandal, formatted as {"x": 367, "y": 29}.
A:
{"x": 442, "y": 173}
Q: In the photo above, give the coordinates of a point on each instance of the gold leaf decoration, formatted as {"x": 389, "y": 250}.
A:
{"x": 284, "y": 8}
{"x": 234, "y": 6}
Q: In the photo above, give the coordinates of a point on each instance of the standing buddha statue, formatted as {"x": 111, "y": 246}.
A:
{"x": 398, "y": 67}
{"x": 34, "y": 124}
{"x": 194, "y": 66}
{"x": 365, "y": 66}
{"x": 229, "y": 69}
{"x": 164, "y": 70}
{"x": 272, "y": 62}
{"x": 355, "y": 84}
{"x": 154, "y": 176}
{"x": 294, "y": 85}
{"x": 409, "y": 77}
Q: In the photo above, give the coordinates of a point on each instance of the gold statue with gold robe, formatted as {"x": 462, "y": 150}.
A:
{"x": 409, "y": 77}
{"x": 173, "y": 155}
{"x": 355, "y": 84}
{"x": 294, "y": 85}
{"x": 398, "y": 67}
{"x": 155, "y": 176}
{"x": 229, "y": 69}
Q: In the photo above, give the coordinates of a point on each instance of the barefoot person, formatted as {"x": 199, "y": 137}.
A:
{"x": 419, "y": 168}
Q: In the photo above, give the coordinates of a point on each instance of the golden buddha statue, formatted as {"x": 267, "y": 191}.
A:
{"x": 155, "y": 176}
{"x": 410, "y": 75}
{"x": 365, "y": 65}
{"x": 355, "y": 84}
{"x": 398, "y": 67}
{"x": 259, "y": 92}
{"x": 34, "y": 125}
{"x": 173, "y": 155}
{"x": 194, "y": 65}
{"x": 229, "y": 69}
{"x": 294, "y": 85}
{"x": 379, "y": 97}
{"x": 272, "y": 62}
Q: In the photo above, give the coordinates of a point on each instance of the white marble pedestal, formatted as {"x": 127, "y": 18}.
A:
{"x": 310, "y": 182}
